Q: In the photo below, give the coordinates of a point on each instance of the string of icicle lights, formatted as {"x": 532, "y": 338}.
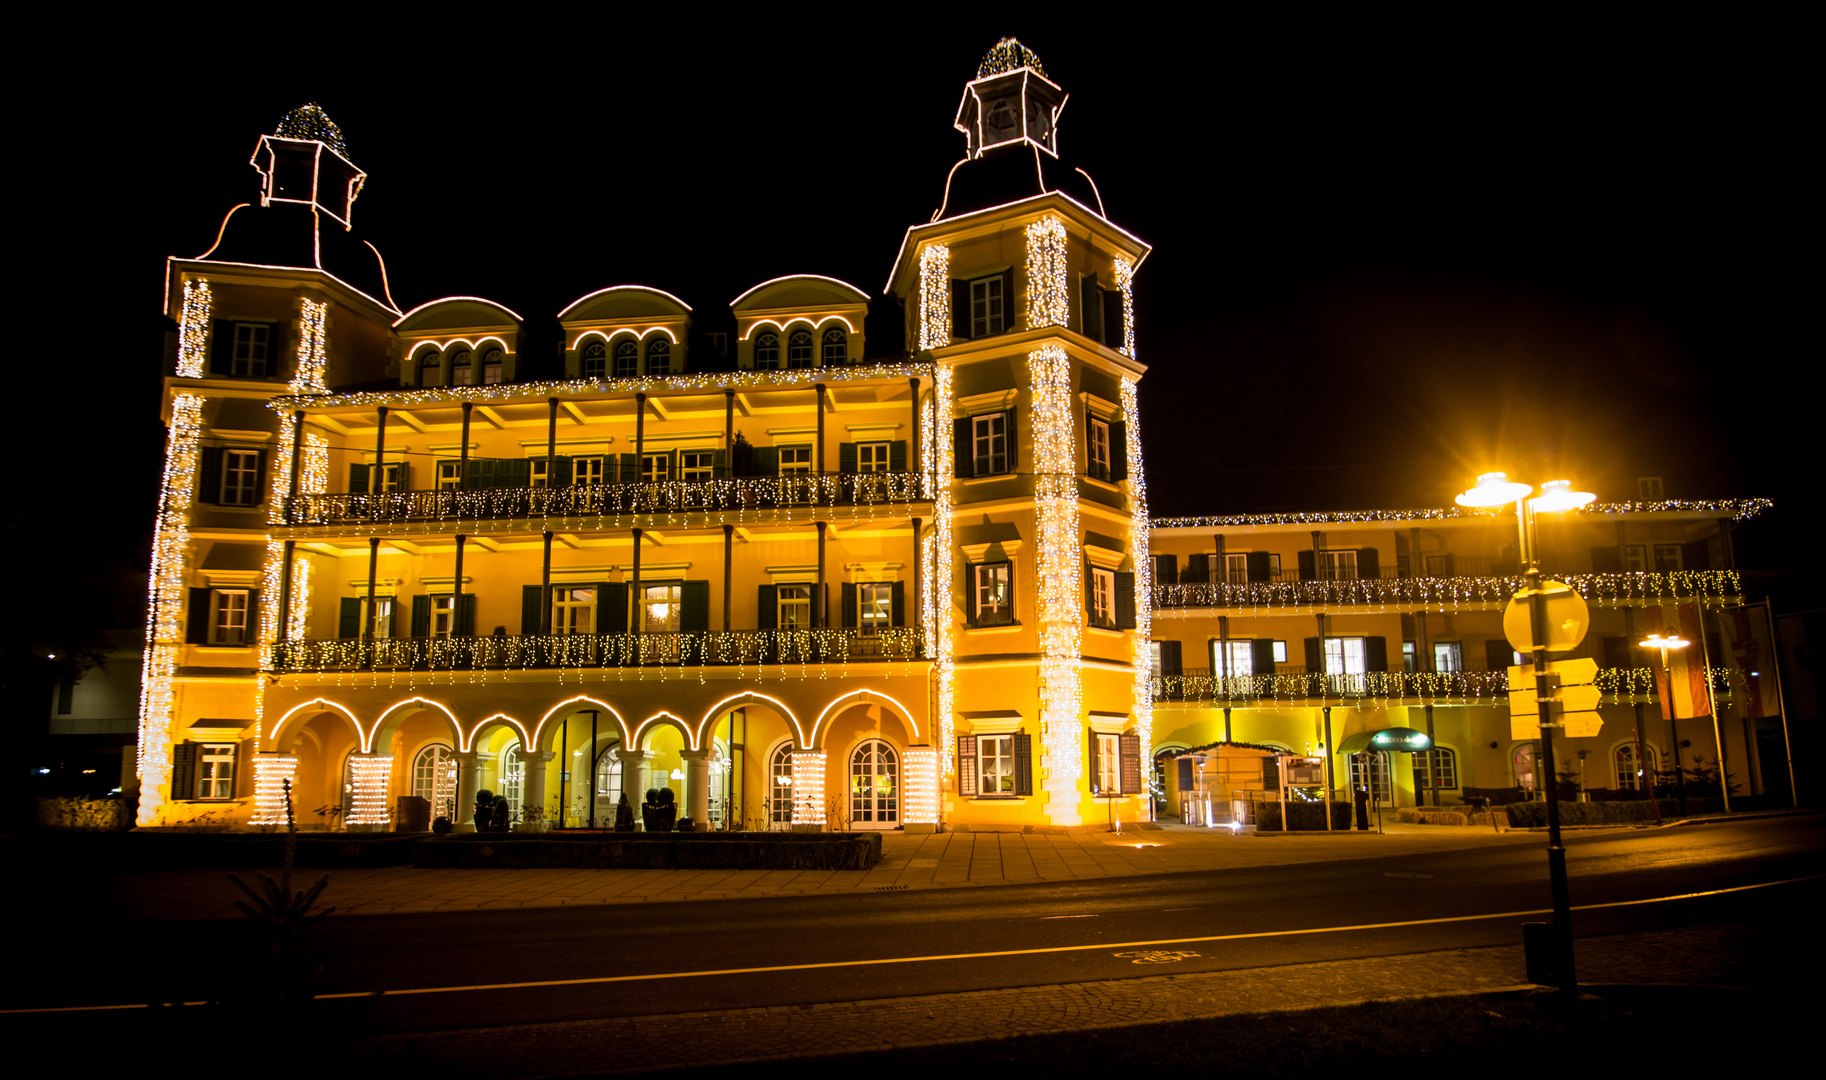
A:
{"x": 1737, "y": 509}
{"x": 1142, "y": 710}
{"x": 1619, "y": 685}
{"x": 166, "y": 594}
{"x": 1715, "y": 589}
{"x": 1060, "y": 558}
{"x": 801, "y": 378}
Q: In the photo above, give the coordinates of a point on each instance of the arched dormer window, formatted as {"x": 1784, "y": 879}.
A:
{"x": 767, "y": 350}
{"x": 799, "y": 349}
{"x": 492, "y": 366}
{"x": 659, "y": 357}
{"x": 627, "y": 359}
{"x": 595, "y": 360}
{"x": 836, "y": 347}
{"x": 430, "y": 368}
{"x": 461, "y": 371}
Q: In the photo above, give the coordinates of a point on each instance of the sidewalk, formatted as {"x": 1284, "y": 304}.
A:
{"x": 942, "y": 860}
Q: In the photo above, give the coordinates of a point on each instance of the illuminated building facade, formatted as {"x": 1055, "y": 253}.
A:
{"x": 827, "y": 586}
{"x": 1299, "y": 631}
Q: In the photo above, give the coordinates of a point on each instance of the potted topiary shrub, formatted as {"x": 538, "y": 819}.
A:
{"x": 624, "y": 814}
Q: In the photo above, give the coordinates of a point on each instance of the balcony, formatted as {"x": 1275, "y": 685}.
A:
{"x": 1712, "y": 587}
{"x": 1292, "y": 683}
{"x": 551, "y": 652}
{"x": 735, "y": 494}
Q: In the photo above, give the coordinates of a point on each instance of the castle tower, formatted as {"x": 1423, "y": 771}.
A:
{"x": 1020, "y": 290}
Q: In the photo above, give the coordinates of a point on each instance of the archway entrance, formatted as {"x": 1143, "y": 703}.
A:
{"x": 874, "y": 786}
{"x": 434, "y": 779}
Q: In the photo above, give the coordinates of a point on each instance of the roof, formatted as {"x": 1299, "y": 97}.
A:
{"x": 1737, "y": 509}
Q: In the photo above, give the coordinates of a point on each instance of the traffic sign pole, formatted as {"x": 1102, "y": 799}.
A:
{"x": 1561, "y": 962}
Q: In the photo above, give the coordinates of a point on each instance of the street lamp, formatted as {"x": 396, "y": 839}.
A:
{"x": 1494, "y": 490}
{"x": 1664, "y": 644}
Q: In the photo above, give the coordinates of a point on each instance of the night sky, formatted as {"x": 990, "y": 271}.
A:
{"x": 1386, "y": 257}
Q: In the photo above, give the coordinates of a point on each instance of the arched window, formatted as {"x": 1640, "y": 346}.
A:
{"x": 431, "y": 368}
{"x": 513, "y": 777}
{"x": 627, "y": 359}
{"x": 1522, "y": 764}
{"x": 434, "y": 779}
{"x": 836, "y": 347}
{"x": 767, "y": 351}
{"x": 659, "y": 357}
{"x": 491, "y": 366}
{"x": 874, "y": 786}
{"x": 461, "y": 373}
{"x": 1437, "y": 761}
{"x": 608, "y": 786}
{"x": 595, "y": 360}
{"x": 799, "y": 349}
{"x": 1629, "y": 777}
{"x": 780, "y": 787}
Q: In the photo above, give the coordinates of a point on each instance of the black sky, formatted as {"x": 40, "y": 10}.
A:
{"x": 1387, "y": 256}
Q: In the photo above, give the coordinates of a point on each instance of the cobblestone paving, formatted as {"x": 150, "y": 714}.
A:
{"x": 940, "y": 860}
{"x": 1700, "y": 955}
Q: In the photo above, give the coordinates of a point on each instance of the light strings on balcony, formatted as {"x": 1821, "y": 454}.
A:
{"x": 1619, "y": 685}
{"x": 1737, "y": 509}
{"x": 1713, "y": 589}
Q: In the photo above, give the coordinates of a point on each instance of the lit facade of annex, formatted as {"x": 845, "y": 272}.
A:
{"x": 827, "y": 588}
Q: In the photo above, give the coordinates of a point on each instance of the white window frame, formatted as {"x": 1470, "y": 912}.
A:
{"x": 240, "y": 477}
{"x": 539, "y": 473}
{"x": 779, "y": 787}
{"x": 1236, "y": 567}
{"x": 586, "y": 471}
{"x": 625, "y": 357}
{"x": 793, "y": 607}
{"x": 462, "y": 368}
{"x": 697, "y": 465}
{"x": 1448, "y": 769}
{"x": 1338, "y": 565}
{"x": 1448, "y": 656}
{"x": 228, "y": 617}
{"x": 872, "y": 457}
{"x": 1239, "y": 660}
{"x": 874, "y": 606}
{"x": 1109, "y": 764}
{"x": 655, "y": 467}
{"x": 835, "y": 347}
{"x": 767, "y": 351}
{"x": 1346, "y": 656}
{"x": 1410, "y": 656}
{"x": 659, "y": 606}
{"x": 801, "y": 350}
{"x": 659, "y": 357}
{"x": 449, "y": 475}
{"x": 1103, "y": 597}
{"x": 443, "y": 615}
{"x": 573, "y": 610}
{"x": 251, "y": 349}
{"x": 595, "y": 355}
{"x": 988, "y": 307}
{"x": 984, "y": 578}
{"x": 1627, "y": 774}
{"x": 995, "y": 765}
{"x": 434, "y": 778}
{"x": 1098, "y": 460}
{"x": 799, "y": 461}
{"x": 989, "y": 445}
{"x": 215, "y": 771}
{"x": 492, "y": 366}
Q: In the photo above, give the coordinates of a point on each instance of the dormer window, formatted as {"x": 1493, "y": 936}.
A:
{"x": 659, "y": 357}
{"x": 836, "y": 347}
{"x": 767, "y": 351}
{"x": 491, "y": 366}
{"x": 595, "y": 360}
{"x": 462, "y": 373}
{"x": 799, "y": 349}
{"x": 627, "y": 360}
{"x": 430, "y": 368}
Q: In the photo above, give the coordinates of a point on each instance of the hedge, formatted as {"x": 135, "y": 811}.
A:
{"x": 1432, "y": 817}
{"x": 1533, "y": 815}
{"x": 1305, "y": 817}
{"x": 651, "y": 851}
{"x": 84, "y": 815}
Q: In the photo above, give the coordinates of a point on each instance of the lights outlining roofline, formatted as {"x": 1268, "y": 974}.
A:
{"x": 454, "y": 299}
{"x": 962, "y": 220}
{"x": 572, "y": 306}
{"x": 211, "y": 265}
{"x": 1737, "y": 509}
{"x": 798, "y": 277}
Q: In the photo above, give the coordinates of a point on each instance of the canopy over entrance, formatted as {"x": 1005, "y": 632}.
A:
{"x": 1397, "y": 739}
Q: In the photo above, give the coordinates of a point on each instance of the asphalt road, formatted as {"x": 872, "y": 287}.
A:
{"x": 702, "y": 955}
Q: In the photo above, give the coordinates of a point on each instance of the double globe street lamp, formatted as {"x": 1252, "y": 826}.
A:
{"x": 1548, "y": 945}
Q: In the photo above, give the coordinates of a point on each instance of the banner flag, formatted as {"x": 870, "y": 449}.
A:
{"x": 1686, "y": 698}
{"x": 1746, "y": 646}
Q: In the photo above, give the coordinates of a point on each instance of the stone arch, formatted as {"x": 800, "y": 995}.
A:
{"x": 554, "y": 718}
{"x": 821, "y": 727}
{"x": 642, "y": 737}
{"x": 472, "y": 737}
{"x": 751, "y": 697}
{"x": 395, "y": 714}
{"x": 285, "y": 732}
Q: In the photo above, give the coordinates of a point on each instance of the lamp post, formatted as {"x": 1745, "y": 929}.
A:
{"x": 1494, "y": 490}
{"x": 1665, "y": 644}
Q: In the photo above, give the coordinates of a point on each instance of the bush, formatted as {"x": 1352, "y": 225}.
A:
{"x": 1304, "y": 817}
{"x": 1497, "y": 796}
{"x": 1429, "y": 816}
{"x": 652, "y": 851}
{"x": 1534, "y": 815}
{"x": 84, "y": 814}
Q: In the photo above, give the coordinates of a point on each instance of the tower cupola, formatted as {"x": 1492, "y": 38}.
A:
{"x": 1010, "y": 101}
{"x": 306, "y": 161}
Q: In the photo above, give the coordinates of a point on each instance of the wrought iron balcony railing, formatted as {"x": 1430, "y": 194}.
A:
{"x": 1297, "y": 684}
{"x": 606, "y": 500}
{"x": 553, "y": 651}
{"x": 1710, "y": 587}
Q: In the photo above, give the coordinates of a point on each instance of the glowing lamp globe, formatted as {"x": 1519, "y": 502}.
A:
{"x": 1671, "y": 641}
{"x": 1494, "y": 489}
{"x": 1558, "y": 495}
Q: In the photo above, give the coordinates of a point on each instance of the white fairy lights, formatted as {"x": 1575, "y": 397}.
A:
{"x": 368, "y": 774}
{"x": 1061, "y": 568}
{"x": 271, "y": 772}
{"x": 193, "y": 329}
{"x": 934, "y": 296}
{"x": 164, "y": 630}
{"x": 1712, "y": 588}
{"x": 308, "y": 379}
{"x": 1048, "y": 296}
{"x": 1125, "y": 280}
{"x": 941, "y": 561}
{"x": 919, "y": 796}
{"x": 808, "y": 787}
{"x": 1737, "y": 509}
{"x": 1143, "y": 708}
{"x": 315, "y": 476}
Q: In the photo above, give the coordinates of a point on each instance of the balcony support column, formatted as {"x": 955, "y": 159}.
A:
{"x": 377, "y": 480}
{"x": 819, "y": 387}
{"x": 463, "y": 448}
{"x": 919, "y": 577}
{"x": 635, "y": 609}
{"x": 368, "y": 618}
{"x": 913, "y": 443}
{"x": 291, "y": 484}
{"x": 533, "y": 793}
{"x": 456, "y": 587}
{"x": 285, "y": 589}
{"x": 697, "y": 787}
{"x": 545, "y": 585}
{"x": 728, "y": 435}
{"x": 1220, "y": 570}
{"x": 822, "y": 604}
{"x": 728, "y": 567}
{"x": 469, "y": 781}
{"x": 640, "y": 442}
{"x": 551, "y": 440}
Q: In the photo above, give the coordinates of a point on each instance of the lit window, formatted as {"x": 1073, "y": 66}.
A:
{"x": 836, "y": 347}
{"x": 1629, "y": 776}
{"x": 995, "y": 765}
{"x": 434, "y": 779}
{"x": 1103, "y": 597}
{"x": 1345, "y": 656}
{"x": 872, "y": 457}
{"x": 780, "y": 791}
{"x": 795, "y": 607}
{"x": 1233, "y": 658}
{"x": 595, "y": 360}
{"x": 992, "y": 591}
{"x": 659, "y": 608}
{"x": 799, "y": 349}
{"x": 874, "y": 606}
{"x": 1099, "y": 456}
{"x": 627, "y": 360}
{"x": 874, "y": 785}
{"x": 1108, "y": 765}
{"x": 216, "y": 771}
{"x": 443, "y": 616}
{"x": 1521, "y": 763}
{"x": 573, "y": 610}
{"x": 380, "y": 617}
{"x": 1374, "y": 774}
{"x": 228, "y": 616}
{"x": 1338, "y": 565}
{"x": 1437, "y": 763}
{"x": 1448, "y": 656}
{"x": 240, "y": 477}
{"x": 989, "y": 444}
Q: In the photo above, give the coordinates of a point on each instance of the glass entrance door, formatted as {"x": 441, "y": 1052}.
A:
{"x": 874, "y": 786}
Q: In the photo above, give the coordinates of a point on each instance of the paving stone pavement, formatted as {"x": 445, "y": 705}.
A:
{"x": 940, "y": 860}
{"x": 627, "y": 1044}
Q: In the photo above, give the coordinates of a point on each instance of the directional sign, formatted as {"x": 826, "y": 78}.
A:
{"x": 1567, "y": 618}
{"x": 1572, "y": 704}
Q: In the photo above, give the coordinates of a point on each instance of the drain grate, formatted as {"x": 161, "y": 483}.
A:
{"x": 889, "y": 888}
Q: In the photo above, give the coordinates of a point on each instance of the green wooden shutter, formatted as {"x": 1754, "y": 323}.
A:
{"x": 1198, "y": 568}
{"x": 897, "y": 456}
{"x": 1315, "y": 657}
{"x": 766, "y": 461}
{"x": 253, "y": 616}
{"x": 184, "y": 770}
{"x": 1014, "y": 454}
{"x": 348, "y": 617}
{"x": 1261, "y": 652}
{"x": 970, "y": 594}
{"x": 627, "y": 469}
{"x": 969, "y": 776}
{"x": 260, "y": 486}
{"x": 196, "y": 629}
{"x": 514, "y": 472}
{"x": 1308, "y": 566}
{"x": 820, "y": 613}
{"x": 612, "y": 607}
{"x": 849, "y": 605}
{"x": 1094, "y": 771}
{"x": 1369, "y": 564}
{"x": 393, "y": 619}
{"x": 1125, "y": 600}
{"x": 1258, "y": 566}
{"x": 898, "y": 601}
{"x": 466, "y": 615}
{"x": 1170, "y": 659}
{"x": 560, "y": 471}
{"x": 767, "y": 613}
{"x": 1119, "y": 451}
{"x": 1376, "y": 653}
{"x": 1166, "y": 569}
{"x": 358, "y": 479}
{"x": 694, "y": 606}
{"x": 1008, "y": 307}
{"x": 1115, "y": 333}
{"x": 1130, "y": 772}
{"x": 962, "y": 449}
{"x": 1023, "y": 763}
{"x": 401, "y": 475}
{"x": 209, "y": 475}
{"x": 421, "y": 616}
{"x": 846, "y": 457}
{"x": 532, "y": 609}
{"x": 480, "y": 473}
{"x": 960, "y": 309}
{"x": 222, "y": 347}
{"x": 719, "y": 464}
{"x": 1090, "y": 307}
{"x": 1606, "y": 560}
